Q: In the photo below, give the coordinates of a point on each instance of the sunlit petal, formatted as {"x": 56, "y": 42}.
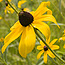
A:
{"x": 53, "y": 41}
{"x": 42, "y": 44}
{"x": 54, "y": 47}
{"x": 62, "y": 38}
{"x": 27, "y": 41}
{"x": 16, "y": 25}
{"x": 39, "y": 47}
{"x": 50, "y": 54}
{"x": 42, "y": 8}
{"x": 43, "y": 27}
{"x": 48, "y": 17}
{"x": 45, "y": 57}
{"x": 11, "y": 37}
{"x": 39, "y": 54}
{"x": 20, "y": 3}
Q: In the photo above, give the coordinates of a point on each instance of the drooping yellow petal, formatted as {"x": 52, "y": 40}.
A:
{"x": 16, "y": 25}
{"x": 52, "y": 42}
{"x": 48, "y": 17}
{"x": 50, "y": 54}
{"x": 39, "y": 47}
{"x": 43, "y": 27}
{"x": 11, "y": 37}
{"x": 27, "y": 41}
{"x": 45, "y": 57}
{"x": 39, "y": 54}
{"x": 42, "y": 44}
{"x": 54, "y": 47}
{"x": 64, "y": 46}
{"x": 20, "y": 3}
{"x": 42, "y": 8}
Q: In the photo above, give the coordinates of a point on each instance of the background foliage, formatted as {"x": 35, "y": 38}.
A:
{"x": 11, "y": 55}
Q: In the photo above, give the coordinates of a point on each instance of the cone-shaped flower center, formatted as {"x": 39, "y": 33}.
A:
{"x": 45, "y": 48}
{"x": 25, "y": 18}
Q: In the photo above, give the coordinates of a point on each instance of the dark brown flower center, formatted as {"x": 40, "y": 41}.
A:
{"x": 45, "y": 48}
{"x": 25, "y": 18}
{"x": 6, "y": 3}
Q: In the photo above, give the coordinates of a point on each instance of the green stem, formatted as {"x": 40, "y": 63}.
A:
{"x": 12, "y": 7}
{"x": 39, "y": 35}
{"x": 3, "y": 61}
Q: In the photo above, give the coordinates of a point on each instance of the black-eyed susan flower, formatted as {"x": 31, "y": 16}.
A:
{"x": 25, "y": 27}
{"x": 1, "y": 39}
{"x": 21, "y": 2}
{"x": 43, "y": 49}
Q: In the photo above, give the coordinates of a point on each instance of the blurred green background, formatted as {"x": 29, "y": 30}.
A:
{"x": 11, "y": 56}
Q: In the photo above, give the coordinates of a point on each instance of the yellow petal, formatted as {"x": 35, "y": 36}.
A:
{"x": 62, "y": 38}
{"x": 39, "y": 47}
{"x": 48, "y": 40}
{"x": 9, "y": 0}
{"x": 50, "y": 54}
{"x": 54, "y": 47}
{"x": 42, "y": 8}
{"x": 0, "y": 17}
{"x": 16, "y": 25}
{"x": 64, "y": 46}
{"x": 1, "y": 0}
{"x": 39, "y": 54}
{"x": 52, "y": 42}
{"x": 43, "y": 27}
{"x": 41, "y": 12}
{"x": 1, "y": 39}
{"x": 42, "y": 44}
{"x": 48, "y": 17}
{"x": 45, "y": 57}
{"x": 64, "y": 31}
{"x": 27, "y": 41}
{"x": 20, "y": 3}
{"x": 11, "y": 37}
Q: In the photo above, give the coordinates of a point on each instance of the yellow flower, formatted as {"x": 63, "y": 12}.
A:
{"x": 1, "y": 39}
{"x": 25, "y": 27}
{"x": 45, "y": 50}
{"x": 21, "y": 2}
{"x": 1, "y": 0}
{"x": 0, "y": 18}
